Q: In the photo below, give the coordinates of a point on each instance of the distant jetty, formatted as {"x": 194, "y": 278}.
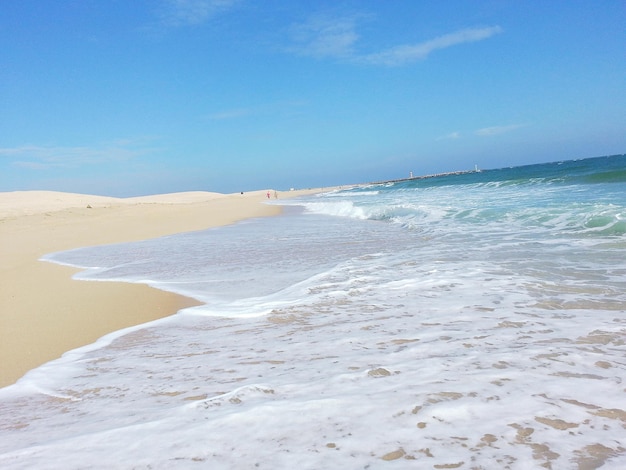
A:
{"x": 434, "y": 175}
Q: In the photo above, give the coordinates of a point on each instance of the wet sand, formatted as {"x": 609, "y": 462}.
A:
{"x": 44, "y": 312}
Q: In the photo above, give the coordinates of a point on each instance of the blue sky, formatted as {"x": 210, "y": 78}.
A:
{"x": 125, "y": 98}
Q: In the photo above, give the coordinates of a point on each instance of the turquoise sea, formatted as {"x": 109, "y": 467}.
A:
{"x": 470, "y": 321}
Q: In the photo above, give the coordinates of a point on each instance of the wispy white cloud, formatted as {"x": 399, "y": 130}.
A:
{"x": 34, "y": 157}
{"x": 404, "y": 54}
{"x": 230, "y": 114}
{"x": 326, "y": 37}
{"x": 484, "y": 132}
{"x": 497, "y": 130}
{"x": 191, "y": 12}
{"x": 323, "y": 37}
{"x": 451, "y": 136}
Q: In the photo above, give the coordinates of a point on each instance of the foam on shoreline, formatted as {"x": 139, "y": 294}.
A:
{"x": 44, "y": 312}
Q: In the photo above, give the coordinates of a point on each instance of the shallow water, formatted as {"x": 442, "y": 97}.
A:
{"x": 416, "y": 325}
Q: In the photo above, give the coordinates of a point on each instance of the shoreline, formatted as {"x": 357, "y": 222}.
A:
{"x": 44, "y": 312}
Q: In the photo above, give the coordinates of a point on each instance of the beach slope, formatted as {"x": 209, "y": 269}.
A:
{"x": 43, "y": 312}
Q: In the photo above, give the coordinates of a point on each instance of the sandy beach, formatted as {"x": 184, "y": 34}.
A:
{"x": 43, "y": 312}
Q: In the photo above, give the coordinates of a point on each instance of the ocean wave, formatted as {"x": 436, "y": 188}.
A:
{"x": 343, "y": 208}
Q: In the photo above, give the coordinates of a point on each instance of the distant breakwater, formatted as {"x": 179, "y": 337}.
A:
{"x": 423, "y": 177}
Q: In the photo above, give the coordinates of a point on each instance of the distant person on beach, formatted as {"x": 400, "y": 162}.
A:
{"x": 275, "y": 195}
{"x": 268, "y": 194}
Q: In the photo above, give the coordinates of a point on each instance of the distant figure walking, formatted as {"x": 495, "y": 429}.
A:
{"x": 268, "y": 194}
{"x": 275, "y": 195}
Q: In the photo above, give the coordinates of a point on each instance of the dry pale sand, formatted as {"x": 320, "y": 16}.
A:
{"x": 43, "y": 312}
